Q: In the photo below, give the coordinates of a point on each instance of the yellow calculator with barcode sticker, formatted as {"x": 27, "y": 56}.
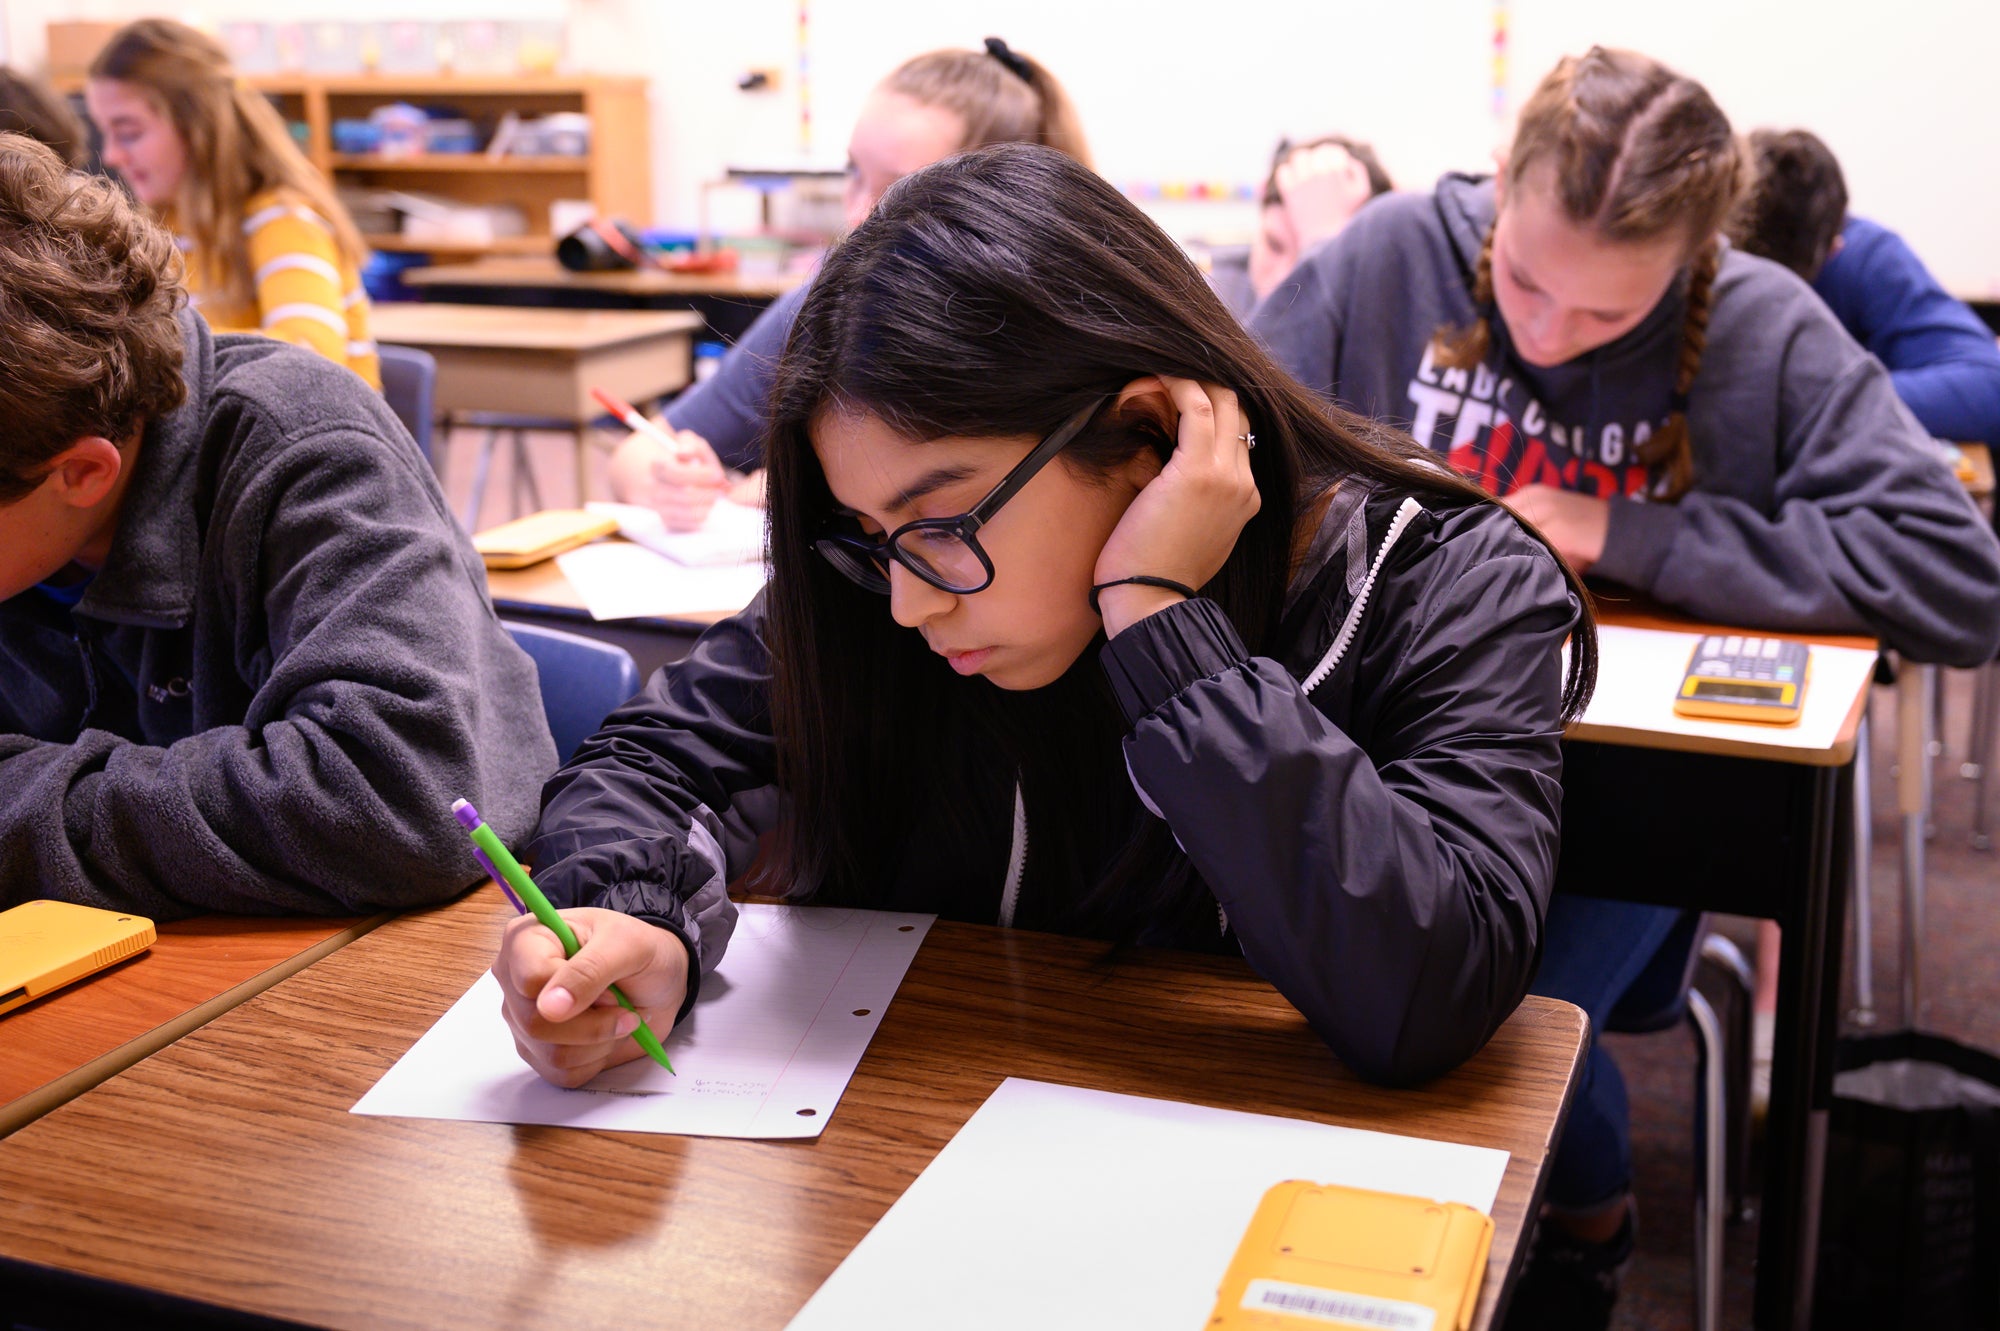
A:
{"x": 1736, "y": 677}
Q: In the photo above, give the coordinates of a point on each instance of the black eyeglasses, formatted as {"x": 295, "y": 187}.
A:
{"x": 945, "y": 552}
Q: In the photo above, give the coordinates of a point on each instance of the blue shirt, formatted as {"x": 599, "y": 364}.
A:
{"x": 728, "y": 409}
{"x": 67, "y": 596}
{"x": 1942, "y": 359}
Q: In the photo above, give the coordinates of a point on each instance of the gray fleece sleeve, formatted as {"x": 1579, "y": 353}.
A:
{"x": 1863, "y": 530}
{"x": 381, "y": 688}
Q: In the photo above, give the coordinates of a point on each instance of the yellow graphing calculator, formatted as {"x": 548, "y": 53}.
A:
{"x": 1737, "y": 678}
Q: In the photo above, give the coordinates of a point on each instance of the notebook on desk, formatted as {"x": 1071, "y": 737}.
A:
{"x": 733, "y": 533}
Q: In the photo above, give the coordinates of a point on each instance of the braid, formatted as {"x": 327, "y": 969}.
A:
{"x": 1670, "y": 453}
{"x": 1463, "y": 348}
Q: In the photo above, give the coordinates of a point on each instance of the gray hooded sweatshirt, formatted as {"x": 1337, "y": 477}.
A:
{"x": 1819, "y": 503}
{"x": 286, "y": 670}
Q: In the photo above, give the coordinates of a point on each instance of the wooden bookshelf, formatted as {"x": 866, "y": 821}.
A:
{"x": 616, "y": 176}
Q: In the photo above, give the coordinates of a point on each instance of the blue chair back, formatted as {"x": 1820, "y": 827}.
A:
{"x": 583, "y": 680}
{"x": 409, "y": 385}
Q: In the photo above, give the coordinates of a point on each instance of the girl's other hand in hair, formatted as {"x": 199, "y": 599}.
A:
{"x": 1186, "y": 519}
{"x": 1575, "y": 524}
{"x": 1322, "y": 188}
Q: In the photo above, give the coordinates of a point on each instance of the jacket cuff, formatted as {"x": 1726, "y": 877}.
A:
{"x": 1637, "y": 542}
{"x": 1154, "y": 659}
{"x": 633, "y": 899}
{"x": 694, "y": 963}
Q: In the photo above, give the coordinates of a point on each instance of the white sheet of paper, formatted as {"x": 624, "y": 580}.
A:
{"x": 619, "y": 580}
{"x": 1639, "y": 672}
{"x": 1056, "y": 1207}
{"x": 767, "y": 1051}
{"x": 733, "y": 533}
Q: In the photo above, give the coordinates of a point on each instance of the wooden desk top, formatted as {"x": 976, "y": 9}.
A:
{"x": 544, "y": 587}
{"x": 243, "y": 1177}
{"x": 66, "y": 1042}
{"x": 543, "y": 271}
{"x": 510, "y": 327}
{"x": 1633, "y": 705}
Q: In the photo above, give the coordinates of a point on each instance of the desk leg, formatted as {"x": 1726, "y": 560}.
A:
{"x": 1802, "y": 1069}
{"x": 1861, "y": 874}
{"x": 1916, "y": 687}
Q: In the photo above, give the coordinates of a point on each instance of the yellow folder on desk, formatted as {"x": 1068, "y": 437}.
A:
{"x": 1320, "y": 1257}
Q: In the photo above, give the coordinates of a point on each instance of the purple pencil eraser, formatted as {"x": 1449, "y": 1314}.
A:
{"x": 468, "y": 817}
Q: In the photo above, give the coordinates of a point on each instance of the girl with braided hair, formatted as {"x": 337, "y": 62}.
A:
{"x": 1674, "y": 415}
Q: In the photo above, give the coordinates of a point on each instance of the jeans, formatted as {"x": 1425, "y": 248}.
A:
{"x": 1593, "y": 952}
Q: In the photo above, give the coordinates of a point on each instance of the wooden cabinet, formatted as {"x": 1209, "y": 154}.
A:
{"x": 616, "y": 176}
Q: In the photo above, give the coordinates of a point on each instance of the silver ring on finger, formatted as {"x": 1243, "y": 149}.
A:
{"x": 1249, "y": 438}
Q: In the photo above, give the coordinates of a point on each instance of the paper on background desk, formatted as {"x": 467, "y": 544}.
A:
{"x": 732, "y": 534}
{"x": 774, "y": 1033}
{"x": 619, "y": 580}
{"x": 1639, "y": 671}
{"x": 1056, "y": 1207}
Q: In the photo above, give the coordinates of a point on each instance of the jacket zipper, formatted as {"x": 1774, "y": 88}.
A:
{"x": 1017, "y": 861}
{"x": 1406, "y": 513}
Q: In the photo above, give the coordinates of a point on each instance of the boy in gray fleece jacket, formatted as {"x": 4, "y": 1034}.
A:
{"x": 246, "y": 658}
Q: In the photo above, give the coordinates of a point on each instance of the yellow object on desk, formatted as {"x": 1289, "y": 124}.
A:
{"x": 1734, "y": 677}
{"x": 44, "y": 945}
{"x": 540, "y": 536}
{"x": 1323, "y": 1256}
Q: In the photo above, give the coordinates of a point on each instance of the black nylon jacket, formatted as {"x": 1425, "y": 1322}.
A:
{"x": 1375, "y": 806}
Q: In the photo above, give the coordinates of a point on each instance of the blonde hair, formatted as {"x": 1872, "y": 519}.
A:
{"x": 1000, "y": 94}
{"x": 1635, "y": 152}
{"x": 237, "y": 147}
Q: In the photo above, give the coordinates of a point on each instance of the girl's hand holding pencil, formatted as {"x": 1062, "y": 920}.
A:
{"x": 567, "y": 1025}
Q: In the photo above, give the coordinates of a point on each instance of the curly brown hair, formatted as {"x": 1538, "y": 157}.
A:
{"x": 89, "y": 294}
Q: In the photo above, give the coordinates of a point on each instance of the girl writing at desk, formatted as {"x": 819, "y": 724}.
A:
{"x": 933, "y": 105}
{"x": 1084, "y": 617}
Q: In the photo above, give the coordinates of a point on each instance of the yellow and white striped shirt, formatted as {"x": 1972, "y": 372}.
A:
{"x": 306, "y": 294}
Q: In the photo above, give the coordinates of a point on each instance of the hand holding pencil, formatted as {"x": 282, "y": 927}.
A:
{"x": 674, "y": 472}
{"x": 583, "y": 989}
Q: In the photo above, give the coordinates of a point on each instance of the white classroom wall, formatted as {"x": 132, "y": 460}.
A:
{"x": 1172, "y": 91}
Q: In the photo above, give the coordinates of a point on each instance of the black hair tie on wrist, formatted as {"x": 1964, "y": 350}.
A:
{"x": 1143, "y": 580}
{"x": 1016, "y": 66}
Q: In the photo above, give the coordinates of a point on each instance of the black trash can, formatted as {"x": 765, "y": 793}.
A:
{"x": 1910, "y": 1233}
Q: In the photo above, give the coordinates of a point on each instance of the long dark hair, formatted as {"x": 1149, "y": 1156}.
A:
{"x": 994, "y": 294}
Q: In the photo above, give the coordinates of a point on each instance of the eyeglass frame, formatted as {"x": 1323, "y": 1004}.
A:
{"x": 965, "y": 527}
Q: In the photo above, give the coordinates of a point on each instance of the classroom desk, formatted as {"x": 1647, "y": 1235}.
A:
{"x": 540, "y": 594}
{"x": 1760, "y": 826}
{"x": 242, "y": 1180}
{"x": 728, "y": 302}
{"x": 1769, "y": 836}
{"x": 64, "y": 1043}
{"x": 528, "y": 362}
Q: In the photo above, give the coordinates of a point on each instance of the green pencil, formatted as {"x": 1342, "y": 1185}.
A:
{"x": 524, "y": 887}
